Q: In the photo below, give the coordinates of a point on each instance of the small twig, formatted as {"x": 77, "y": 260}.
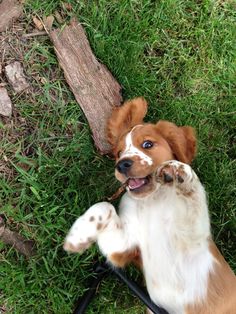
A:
{"x": 23, "y": 246}
{"x": 39, "y": 33}
{"x": 117, "y": 193}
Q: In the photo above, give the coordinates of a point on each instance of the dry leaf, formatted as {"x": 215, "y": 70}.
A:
{"x": 48, "y": 21}
{"x": 38, "y": 24}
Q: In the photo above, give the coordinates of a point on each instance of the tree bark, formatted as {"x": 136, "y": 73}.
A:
{"x": 94, "y": 87}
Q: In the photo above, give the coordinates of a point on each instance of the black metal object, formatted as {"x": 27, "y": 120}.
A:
{"x": 82, "y": 303}
{"x": 100, "y": 271}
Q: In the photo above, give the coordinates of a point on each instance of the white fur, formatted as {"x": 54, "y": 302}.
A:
{"x": 131, "y": 150}
{"x": 171, "y": 230}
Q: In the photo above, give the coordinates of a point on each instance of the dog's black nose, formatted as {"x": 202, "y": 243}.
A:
{"x": 124, "y": 165}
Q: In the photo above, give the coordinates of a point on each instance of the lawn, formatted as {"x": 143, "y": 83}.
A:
{"x": 180, "y": 56}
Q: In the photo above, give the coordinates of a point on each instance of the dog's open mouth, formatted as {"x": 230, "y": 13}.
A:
{"x": 135, "y": 184}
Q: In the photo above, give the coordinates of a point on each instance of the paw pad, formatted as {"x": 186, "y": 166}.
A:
{"x": 173, "y": 171}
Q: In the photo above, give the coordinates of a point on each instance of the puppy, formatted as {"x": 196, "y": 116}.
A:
{"x": 163, "y": 223}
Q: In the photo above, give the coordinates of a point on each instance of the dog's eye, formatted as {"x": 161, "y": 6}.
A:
{"x": 147, "y": 144}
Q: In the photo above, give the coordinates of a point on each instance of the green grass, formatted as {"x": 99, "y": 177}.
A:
{"x": 180, "y": 56}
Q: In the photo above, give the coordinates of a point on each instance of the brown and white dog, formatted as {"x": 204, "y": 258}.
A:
{"x": 163, "y": 221}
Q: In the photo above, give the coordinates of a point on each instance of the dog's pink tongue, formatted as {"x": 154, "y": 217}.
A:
{"x": 136, "y": 183}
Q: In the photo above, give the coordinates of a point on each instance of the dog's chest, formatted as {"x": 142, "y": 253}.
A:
{"x": 163, "y": 266}
{"x": 171, "y": 274}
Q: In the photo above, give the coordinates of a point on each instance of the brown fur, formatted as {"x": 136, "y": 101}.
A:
{"x": 159, "y": 153}
{"x": 182, "y": 140}
{"x": 171, "y": 142}
{"x": 221, "y": 295}
{"x": 124, "y": 258}
{"x": 99, "y": 226}
{"x": 124, "y": 118}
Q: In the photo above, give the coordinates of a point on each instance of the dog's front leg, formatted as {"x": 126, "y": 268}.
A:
{"x": 99, "y": 223}
{"x": 190, "y": 213}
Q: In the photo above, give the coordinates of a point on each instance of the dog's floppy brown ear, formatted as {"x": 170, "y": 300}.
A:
{"x": 182, "y": 140}
{"x": 124, "y": 118}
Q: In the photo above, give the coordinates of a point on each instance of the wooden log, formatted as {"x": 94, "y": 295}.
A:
{"x": 10, "y": 10}
{"x": 94, "y": 87}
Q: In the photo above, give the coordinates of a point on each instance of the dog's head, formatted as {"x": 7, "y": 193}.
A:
{"x": 139, "y": 148}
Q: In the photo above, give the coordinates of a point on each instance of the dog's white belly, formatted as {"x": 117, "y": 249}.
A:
{"x": 161, "y": 270}
{"x": 163, "y": 278}
{"x": 172, "y": 274}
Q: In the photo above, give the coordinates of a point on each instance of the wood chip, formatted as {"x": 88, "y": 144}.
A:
{"x": 94, "y": 87}
{"x": 48, "y": 22}
{"x": 10, "y": 10}
{"x": 38, "y": 24}
{"x": 5, "y": 103}
{"x": 15, "y": 76}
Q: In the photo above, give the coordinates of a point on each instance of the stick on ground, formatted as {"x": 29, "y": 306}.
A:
{"x": 23, "y": 246}
{"x": 94, "y": 87}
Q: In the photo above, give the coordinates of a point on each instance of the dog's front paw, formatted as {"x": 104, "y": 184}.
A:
{"x": 175, "y": 172}
{"x": 80, "y": 237}
{"x": 85, "y": 230}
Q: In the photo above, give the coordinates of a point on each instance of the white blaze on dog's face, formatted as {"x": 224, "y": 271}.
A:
{"x": 139, "y": 153}
{"x": 139, "y": 148}
{"x": 131, "y": 150}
